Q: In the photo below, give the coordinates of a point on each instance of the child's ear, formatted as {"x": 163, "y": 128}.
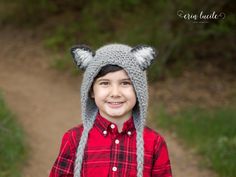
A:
{"x": 91, "y": 93}
{"x": 82, "y": 55}
{"x": 144, "y": 55}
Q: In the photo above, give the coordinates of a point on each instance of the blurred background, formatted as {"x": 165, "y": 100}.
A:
{"x": 192, "y": 83}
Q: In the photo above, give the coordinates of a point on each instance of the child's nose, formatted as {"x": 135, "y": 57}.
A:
{"x": 115, "y": 91}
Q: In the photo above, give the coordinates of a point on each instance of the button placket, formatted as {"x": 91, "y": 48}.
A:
{"x": 115, "y": 137}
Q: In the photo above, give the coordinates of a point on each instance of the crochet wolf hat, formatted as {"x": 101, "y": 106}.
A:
{"x": 134, "y": 60}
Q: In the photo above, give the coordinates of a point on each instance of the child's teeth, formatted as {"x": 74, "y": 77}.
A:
{"x": 115, "y": 103}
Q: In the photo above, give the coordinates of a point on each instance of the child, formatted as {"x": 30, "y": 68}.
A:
{"x": 113, "y": 140}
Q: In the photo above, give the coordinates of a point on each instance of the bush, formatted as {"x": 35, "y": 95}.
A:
{"x": 12, "y": 145}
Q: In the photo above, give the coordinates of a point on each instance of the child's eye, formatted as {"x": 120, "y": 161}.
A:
{"x": 104, "y": 83}
{"x": 126, "y": 83}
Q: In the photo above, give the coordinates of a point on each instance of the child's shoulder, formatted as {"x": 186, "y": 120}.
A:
{"x": 77, "y": 130}
{"x": 73, "y": 135}
{"x": 152, "y": 134}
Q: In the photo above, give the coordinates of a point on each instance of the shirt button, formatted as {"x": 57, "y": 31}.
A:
{"x": 129, "y": 133}
{"x": 104, "y": 132}
{"x": 112, "y": 126}
{"x": 117, "y": 141}
{"x": 114, "y": 168}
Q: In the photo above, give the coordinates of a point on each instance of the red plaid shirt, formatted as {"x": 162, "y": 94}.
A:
{"x": 109, "y": 153}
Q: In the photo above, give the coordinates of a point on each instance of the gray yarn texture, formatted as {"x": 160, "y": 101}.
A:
{"x": 121, "y": 55}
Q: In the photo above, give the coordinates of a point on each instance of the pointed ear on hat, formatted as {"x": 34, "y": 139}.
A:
{"x": 144, "y": 55}
{"x": 82, "y": 55}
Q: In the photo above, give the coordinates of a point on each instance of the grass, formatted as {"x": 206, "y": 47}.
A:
{"x": 211, "y": 132}
{"x": 12, "y": 145}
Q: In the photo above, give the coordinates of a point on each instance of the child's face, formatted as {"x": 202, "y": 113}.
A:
{"x": 114, "y": 95}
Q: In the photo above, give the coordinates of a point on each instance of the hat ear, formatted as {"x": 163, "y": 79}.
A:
{"x": 82, "y": 55}
{"x": 144, "y": 55}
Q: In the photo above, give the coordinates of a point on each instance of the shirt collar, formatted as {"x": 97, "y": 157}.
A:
{"x": 105, "y": 125}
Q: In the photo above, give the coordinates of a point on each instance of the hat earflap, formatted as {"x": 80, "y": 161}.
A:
{"x": 144, "y": 55}
{"x": 82, "y": 55}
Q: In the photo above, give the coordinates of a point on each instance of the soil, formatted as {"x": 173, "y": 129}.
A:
{"x": 47, "y": 102}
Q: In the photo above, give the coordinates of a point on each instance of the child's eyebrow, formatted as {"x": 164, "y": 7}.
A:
{"x": 102, "y": 79}
{"x": 126, "y": 79}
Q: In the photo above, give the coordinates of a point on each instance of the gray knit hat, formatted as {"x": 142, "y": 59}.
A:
{"x": 134, "y": 61}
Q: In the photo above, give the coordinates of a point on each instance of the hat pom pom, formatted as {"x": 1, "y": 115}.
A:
{"x": 82, "y": 55}
{"x": 144, "y": 55}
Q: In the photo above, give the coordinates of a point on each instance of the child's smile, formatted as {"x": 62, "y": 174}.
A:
{"x": 115, "y": 104}
{"x": 114, "y": 95}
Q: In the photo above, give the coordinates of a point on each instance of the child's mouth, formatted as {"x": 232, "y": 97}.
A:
{"x": 115, "y": 104}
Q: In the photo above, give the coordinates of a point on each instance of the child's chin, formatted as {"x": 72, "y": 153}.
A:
{"x": 115, "y": 114}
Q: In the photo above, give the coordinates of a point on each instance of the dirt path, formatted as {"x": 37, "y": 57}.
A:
{"x": 47, "y": 104}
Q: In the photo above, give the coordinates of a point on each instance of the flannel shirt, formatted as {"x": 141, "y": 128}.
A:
{"x": 109, "y": 153}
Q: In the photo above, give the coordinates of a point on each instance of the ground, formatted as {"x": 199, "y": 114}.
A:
{"x": 46, "y": 102}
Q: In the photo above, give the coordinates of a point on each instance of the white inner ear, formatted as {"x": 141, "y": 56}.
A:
{"x": 145, "y": 53}
{"x": 83, "y": 57}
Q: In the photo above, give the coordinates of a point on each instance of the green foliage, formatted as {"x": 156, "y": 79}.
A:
{"x": 12, "y": 145}
{"x": 26, "y": 12}
{"x": 63, "y": 63}
{"x": 178, "y": 41}
{"x": 60, "y": 38}
{"x": 211, "y": 132}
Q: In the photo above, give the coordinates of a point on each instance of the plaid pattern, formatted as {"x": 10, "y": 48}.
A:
{"x": 109, "y": 153}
